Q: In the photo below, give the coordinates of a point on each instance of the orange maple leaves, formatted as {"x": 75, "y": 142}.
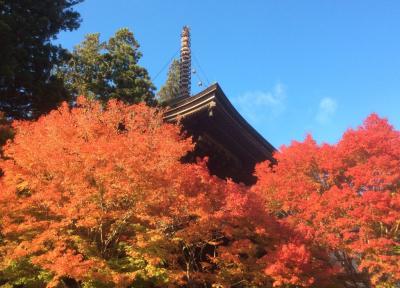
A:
{"x": 344, "y": 198}
{"x": 98, "y": 194}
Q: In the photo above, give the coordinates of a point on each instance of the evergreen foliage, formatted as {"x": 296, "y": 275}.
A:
{"x": 27, "y": 85}
{"x": 108, "y": 70}
{"x": 170, "y": 90}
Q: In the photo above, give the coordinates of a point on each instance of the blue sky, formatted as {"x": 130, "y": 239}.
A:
{"x": 290, "y": 67}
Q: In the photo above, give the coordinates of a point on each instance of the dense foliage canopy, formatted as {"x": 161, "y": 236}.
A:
{"x": 108, "y": 70}
{"x": 96, "y": 196}
{"x": 345, "y": 199}
{"x": 102, "y": 199}
{"x": 27, "y": 85}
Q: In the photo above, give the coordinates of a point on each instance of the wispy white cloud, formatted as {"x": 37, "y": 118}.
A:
{"x": 257, "y": 106}
{"x": 326, "y": 110}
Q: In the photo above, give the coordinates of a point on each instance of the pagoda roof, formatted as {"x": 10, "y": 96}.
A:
{"x": 212, "y": 112}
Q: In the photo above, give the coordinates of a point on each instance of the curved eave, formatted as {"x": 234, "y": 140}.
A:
{"x": 246, "y": 128}
{"x": 212, "y": 100}
{"x": 183, "y": 107}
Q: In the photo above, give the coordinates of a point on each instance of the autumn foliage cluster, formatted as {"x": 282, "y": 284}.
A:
{"x": 97, "y": 196}
{"x": 344, "y": 199}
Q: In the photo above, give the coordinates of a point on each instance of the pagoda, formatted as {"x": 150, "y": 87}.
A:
{"x": 232, "y": 145}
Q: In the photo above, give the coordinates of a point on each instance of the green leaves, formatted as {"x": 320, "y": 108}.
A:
{"x": 170, "y": 90}
{"x": 24, "y": 273}
{"x": 108, "y": 70}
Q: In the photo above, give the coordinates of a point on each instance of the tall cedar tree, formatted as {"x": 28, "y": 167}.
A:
{"x": 170, "y": 90}
{"x": 108, "y": 70}
{"x": 27, "y": 84}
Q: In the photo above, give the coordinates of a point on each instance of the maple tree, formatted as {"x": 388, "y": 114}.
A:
{"x": 98, "y": 197}
{"x": 344, "y": 199}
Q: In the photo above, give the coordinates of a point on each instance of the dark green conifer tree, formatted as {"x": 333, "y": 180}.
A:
{"x": 28, "y": 86}
{"x": 170, "y": 90}
{"x": 105, "y": 70}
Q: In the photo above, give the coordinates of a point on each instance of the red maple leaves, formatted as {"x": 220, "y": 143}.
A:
{"x": 344, "y": 198}
{"x": 98, "y": 196}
